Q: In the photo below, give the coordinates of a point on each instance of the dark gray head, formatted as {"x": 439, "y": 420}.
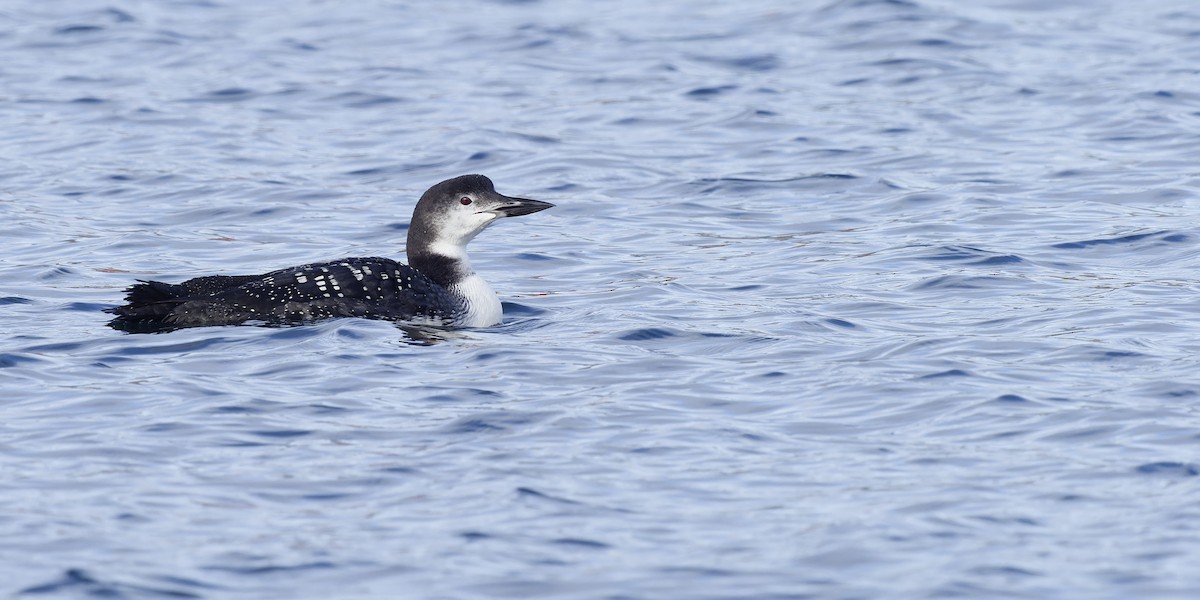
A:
{"x": 452, "y": 212}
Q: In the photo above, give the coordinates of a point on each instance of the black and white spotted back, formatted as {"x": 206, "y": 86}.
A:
{"x": 354, "y": 287}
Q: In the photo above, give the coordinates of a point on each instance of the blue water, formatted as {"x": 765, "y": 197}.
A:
{"x": 840, "y": 299}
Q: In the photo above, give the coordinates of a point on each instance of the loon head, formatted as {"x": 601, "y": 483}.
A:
{"x": 453, "y": 212}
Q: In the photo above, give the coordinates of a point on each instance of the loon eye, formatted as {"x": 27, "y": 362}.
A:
{"x": 464, "y": 200}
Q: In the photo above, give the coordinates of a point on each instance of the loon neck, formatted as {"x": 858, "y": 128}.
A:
{"x": 456, "y": 275}
{"x": 445, "y": 270}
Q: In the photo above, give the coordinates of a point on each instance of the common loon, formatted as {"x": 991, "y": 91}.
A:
{"x": 438, "y": 285}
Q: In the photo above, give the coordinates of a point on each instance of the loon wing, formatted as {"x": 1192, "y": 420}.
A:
{"x": 377, "y": 288}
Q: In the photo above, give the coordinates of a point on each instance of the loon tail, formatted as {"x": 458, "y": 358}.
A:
{"x": 148, "y": 304}
{"x": 152, "y": 306}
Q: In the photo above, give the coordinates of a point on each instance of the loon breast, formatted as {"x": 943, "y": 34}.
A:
{"x": 482, "y": 304}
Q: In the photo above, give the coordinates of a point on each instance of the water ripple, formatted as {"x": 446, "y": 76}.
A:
{"x": 858, "y": 286}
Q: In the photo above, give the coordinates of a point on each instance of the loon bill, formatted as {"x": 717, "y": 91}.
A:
{"x": 438, "y": 286}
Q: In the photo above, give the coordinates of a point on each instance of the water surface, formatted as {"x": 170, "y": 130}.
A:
{"x": 846, "y": 299}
